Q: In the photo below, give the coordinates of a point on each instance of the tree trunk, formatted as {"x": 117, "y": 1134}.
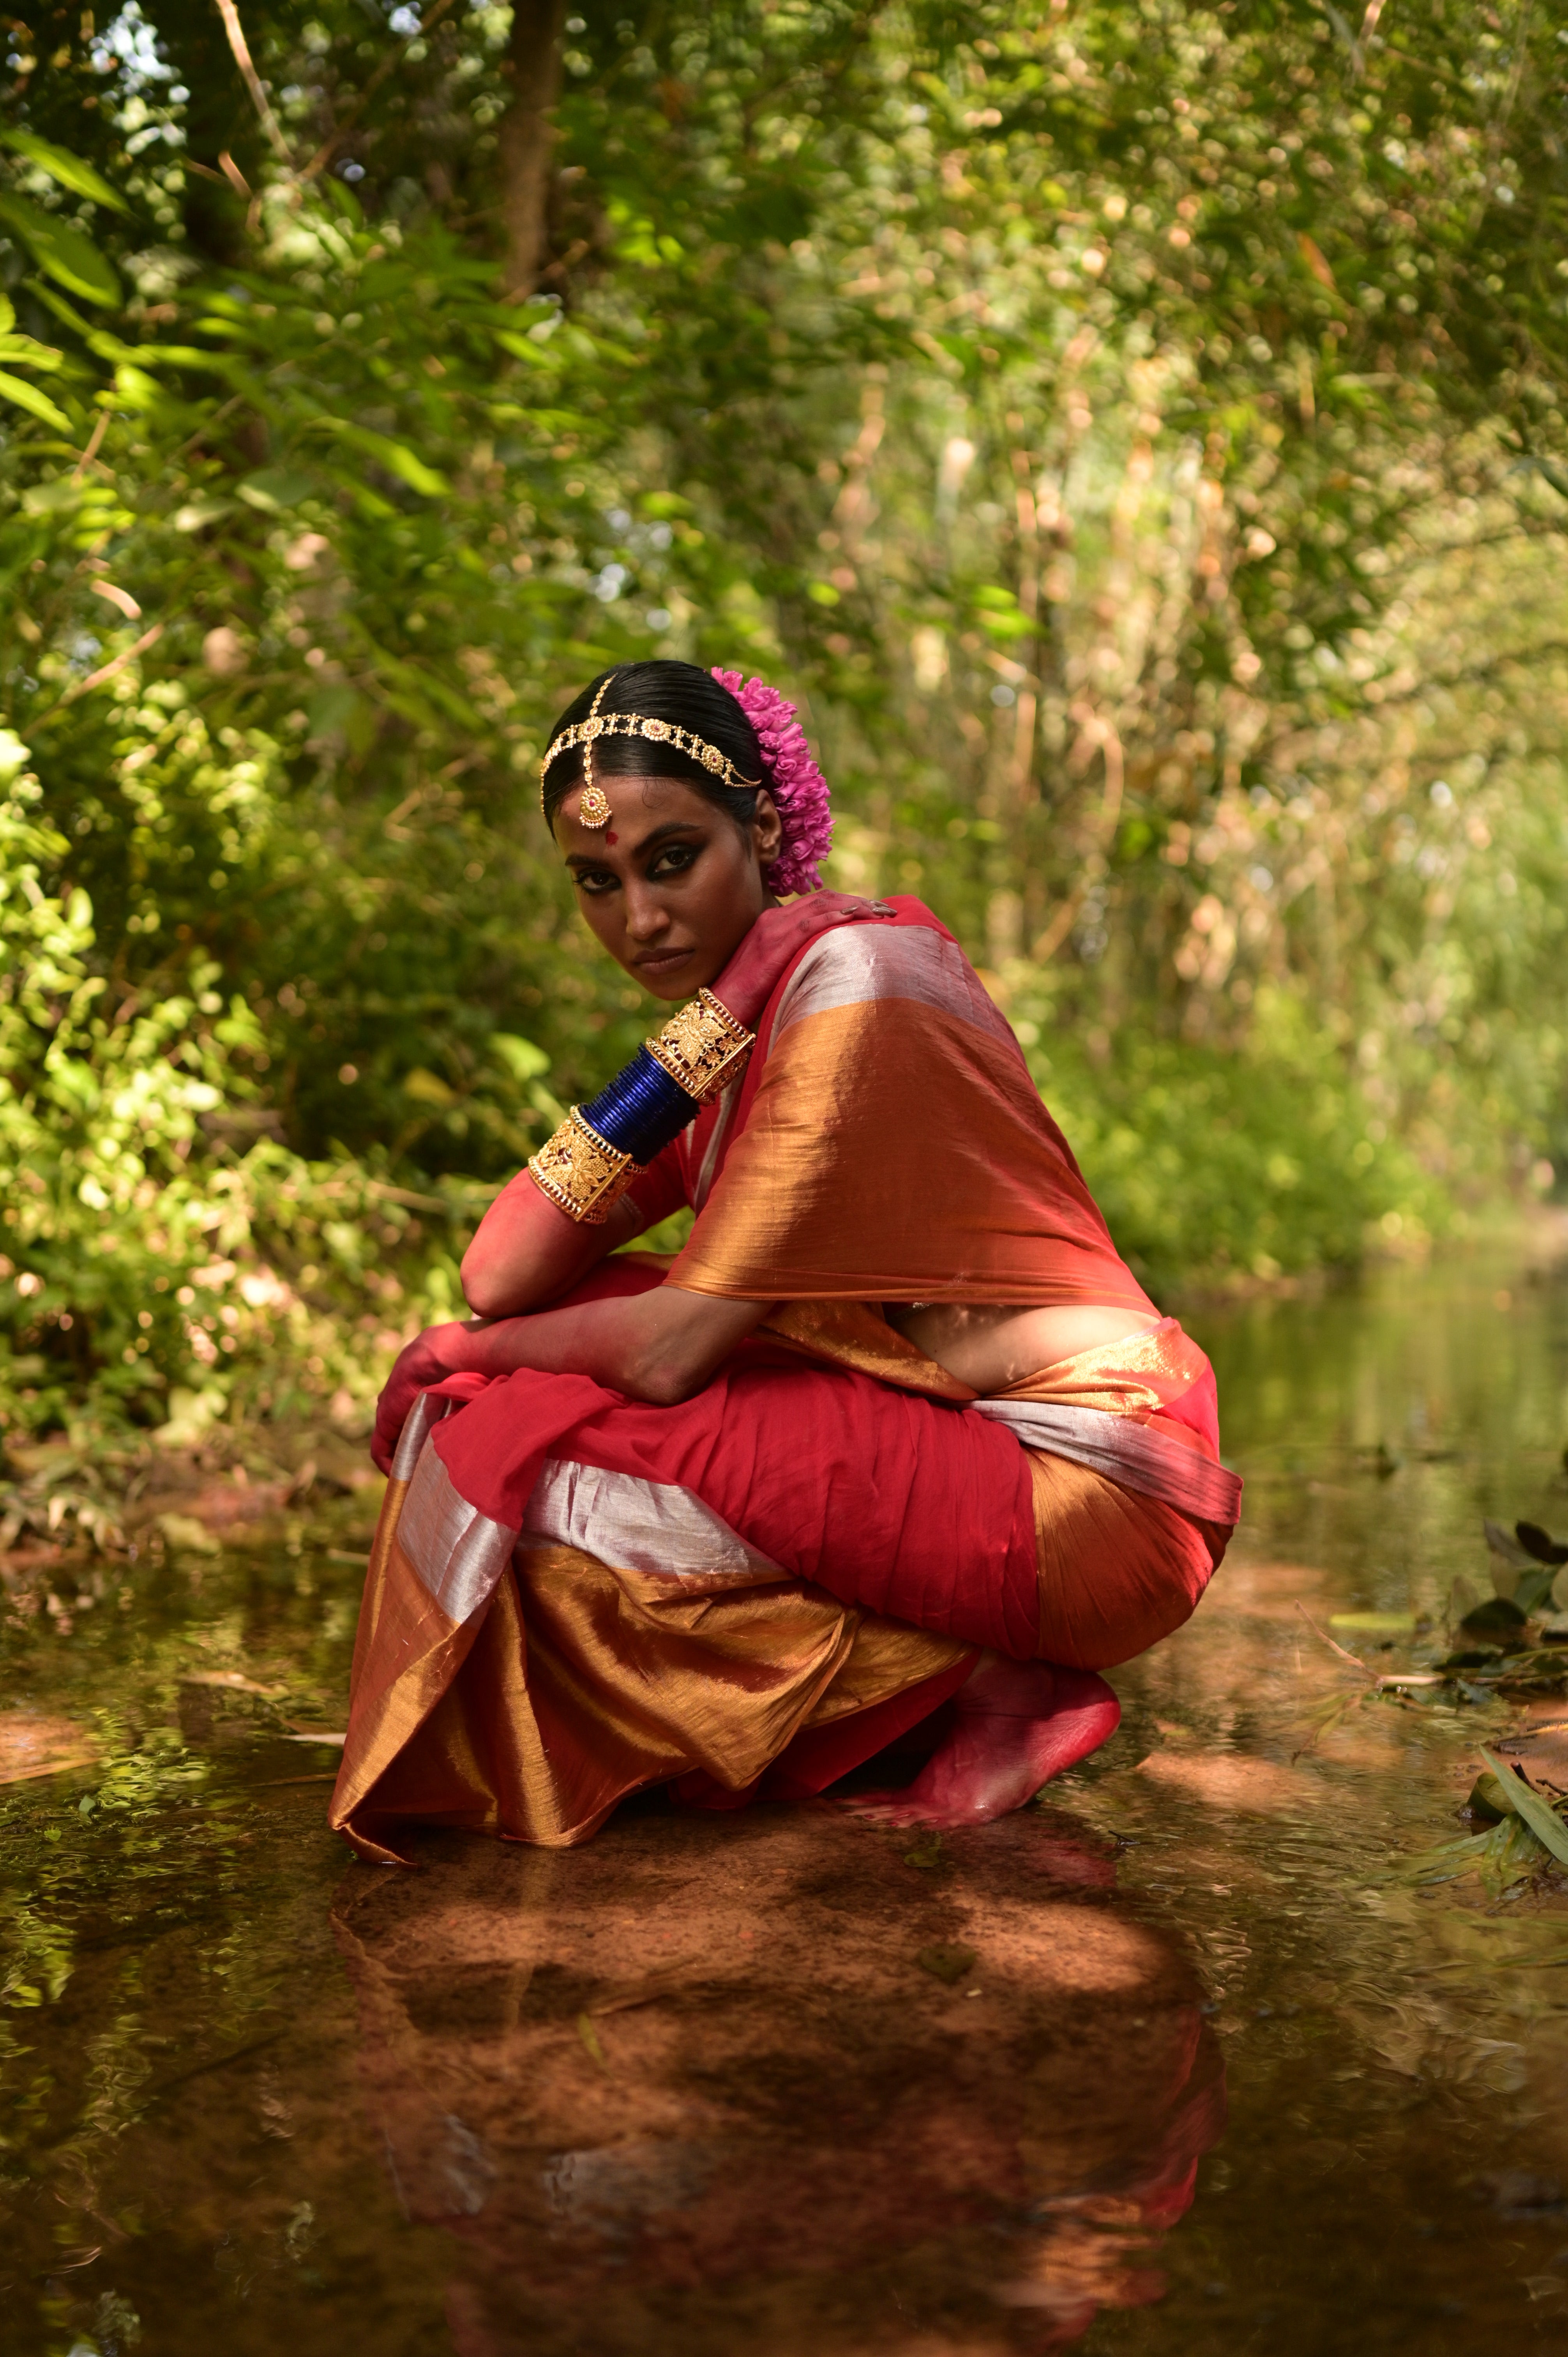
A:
{"x": 526, "y": 136}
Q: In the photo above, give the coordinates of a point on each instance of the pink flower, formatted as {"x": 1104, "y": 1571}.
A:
{"x": 794, "y": 778}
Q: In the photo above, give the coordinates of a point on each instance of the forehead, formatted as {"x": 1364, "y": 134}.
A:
{"x": 638, "y": 805}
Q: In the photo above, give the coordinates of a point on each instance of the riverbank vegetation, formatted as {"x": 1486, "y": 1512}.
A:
{"x": 1135, "y": 433}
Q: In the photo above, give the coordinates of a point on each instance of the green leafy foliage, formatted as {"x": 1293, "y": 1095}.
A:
{"x": 1136, "y": 434}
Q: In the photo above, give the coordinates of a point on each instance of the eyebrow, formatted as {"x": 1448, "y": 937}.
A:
{"x": 670, "y": 827}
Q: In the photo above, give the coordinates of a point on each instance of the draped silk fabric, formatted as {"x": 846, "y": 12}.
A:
{"x": 574, "y": 1595}
{"x": 889, "y": 1145}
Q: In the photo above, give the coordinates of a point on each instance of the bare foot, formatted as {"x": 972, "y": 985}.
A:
{"x": 1016, "y": 1725}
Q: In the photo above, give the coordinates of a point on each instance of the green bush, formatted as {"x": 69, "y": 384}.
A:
{"x": 1215, "y": 1169}
{"x": 1137, "y": 436}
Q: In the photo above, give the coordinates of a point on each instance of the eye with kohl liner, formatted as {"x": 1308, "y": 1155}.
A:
{"x": 675, "y": 859}
{"x": 669, "y": 859}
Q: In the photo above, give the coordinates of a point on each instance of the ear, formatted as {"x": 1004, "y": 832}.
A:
{"x": 766, "y": 829}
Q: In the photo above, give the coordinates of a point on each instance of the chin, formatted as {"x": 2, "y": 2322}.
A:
{"x": 683, "y": 982}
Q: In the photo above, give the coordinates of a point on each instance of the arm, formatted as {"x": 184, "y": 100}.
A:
{"x": 659, "y": 1346}
{"x": 526, "y": 1250}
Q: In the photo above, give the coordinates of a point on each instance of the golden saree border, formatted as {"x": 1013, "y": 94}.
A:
{"x": 1142, "y": 1375}
{"x": 431, "y": 1574}
{"x": 855, "y": 1334}
{"x": 1104, "y": 1408}
{"x": 569, "y": 1683}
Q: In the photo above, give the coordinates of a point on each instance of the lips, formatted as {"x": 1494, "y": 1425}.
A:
{"x": 661, "y": 961}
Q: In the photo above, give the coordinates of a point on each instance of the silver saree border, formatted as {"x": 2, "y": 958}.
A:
{"x": 1125, "y": 1451}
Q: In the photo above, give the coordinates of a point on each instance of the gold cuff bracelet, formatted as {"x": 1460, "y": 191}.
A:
{"x": 699, "y": 1052}
{"x": 581, "y": 1171}
{"x": 703, "y": 1047}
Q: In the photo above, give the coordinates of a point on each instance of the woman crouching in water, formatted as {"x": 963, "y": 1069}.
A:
{"x": 896, "y": 1427}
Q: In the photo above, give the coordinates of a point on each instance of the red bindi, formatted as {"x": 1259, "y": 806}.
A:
{"x": 611, "y": 838}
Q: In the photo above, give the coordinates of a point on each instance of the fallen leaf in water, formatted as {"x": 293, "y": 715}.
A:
{"x": 1499, "y": 1615}
{"x": 218, "y": 1702}
{"x": 949, "y": 1965}
{"x": 1488, "y": 1799}
{"x": 1543, "y": 1821}
{"x": 30, "y": 1746}
{"x": 590, "y": 2038}
{"x": 1229, "y": 1780}
{"x": 927, "y": 1851}
{"x": 1540, "y": 1543}
{"x": 1379, "y": 1624}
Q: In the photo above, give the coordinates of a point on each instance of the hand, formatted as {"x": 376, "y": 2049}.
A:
{"x": 439, "y": 1351}
{"x": 747, "y": 982}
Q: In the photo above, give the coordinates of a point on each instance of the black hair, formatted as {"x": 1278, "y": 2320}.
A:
{"x": 677, "y": 692}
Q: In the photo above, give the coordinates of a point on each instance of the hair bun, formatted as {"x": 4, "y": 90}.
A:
{"x": 792, "y": 777}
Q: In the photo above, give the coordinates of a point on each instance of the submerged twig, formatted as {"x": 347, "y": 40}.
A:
{"x": 1354, "y": 1659}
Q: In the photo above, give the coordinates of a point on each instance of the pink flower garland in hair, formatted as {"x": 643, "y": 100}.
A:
{"x": 794, "y": 778}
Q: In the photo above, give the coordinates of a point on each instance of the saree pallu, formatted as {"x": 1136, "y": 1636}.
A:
{"x": 574, "y": 1595}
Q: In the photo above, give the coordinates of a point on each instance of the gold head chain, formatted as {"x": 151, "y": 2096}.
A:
{"x": 593, "y": 807}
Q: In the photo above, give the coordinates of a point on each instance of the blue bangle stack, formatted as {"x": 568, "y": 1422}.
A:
{"x": 642, "y": 1110}
{"x": 601, "y": 1148}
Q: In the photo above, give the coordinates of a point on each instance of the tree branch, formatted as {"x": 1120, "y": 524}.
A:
{"x": 251, "y": 78}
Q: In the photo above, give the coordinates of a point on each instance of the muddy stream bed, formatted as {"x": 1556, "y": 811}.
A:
{"x": 1195, "y": 2055}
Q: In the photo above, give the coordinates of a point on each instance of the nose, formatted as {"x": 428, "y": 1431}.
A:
{"x": 646, "y": 915}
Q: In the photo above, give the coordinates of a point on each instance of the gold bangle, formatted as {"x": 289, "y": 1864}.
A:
{"x": 703, "y": 1047}
{"x": 581, "y": 1171}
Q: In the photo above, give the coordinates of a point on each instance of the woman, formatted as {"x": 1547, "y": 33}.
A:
{"x": 895, "y": 1428}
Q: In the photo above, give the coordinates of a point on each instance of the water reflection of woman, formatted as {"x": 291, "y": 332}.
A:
{"x": 896, "y": 1427}
{"x": 672, "y": 2098}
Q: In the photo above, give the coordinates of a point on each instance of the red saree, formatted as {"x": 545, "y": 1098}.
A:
{"x": 573, "y": 1594}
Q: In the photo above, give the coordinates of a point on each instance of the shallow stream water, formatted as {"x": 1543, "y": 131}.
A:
{"x": 1187, "y": 2058}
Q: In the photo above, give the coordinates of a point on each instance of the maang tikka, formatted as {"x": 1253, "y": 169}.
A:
{"x": 593, "y": 803}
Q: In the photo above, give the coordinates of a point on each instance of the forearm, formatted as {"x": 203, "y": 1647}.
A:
{"x": 661, "y": 1346}
{"x": 526, "y": 1252}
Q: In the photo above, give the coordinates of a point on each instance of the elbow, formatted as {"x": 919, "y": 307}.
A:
{"x": 482, "y": 1289}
